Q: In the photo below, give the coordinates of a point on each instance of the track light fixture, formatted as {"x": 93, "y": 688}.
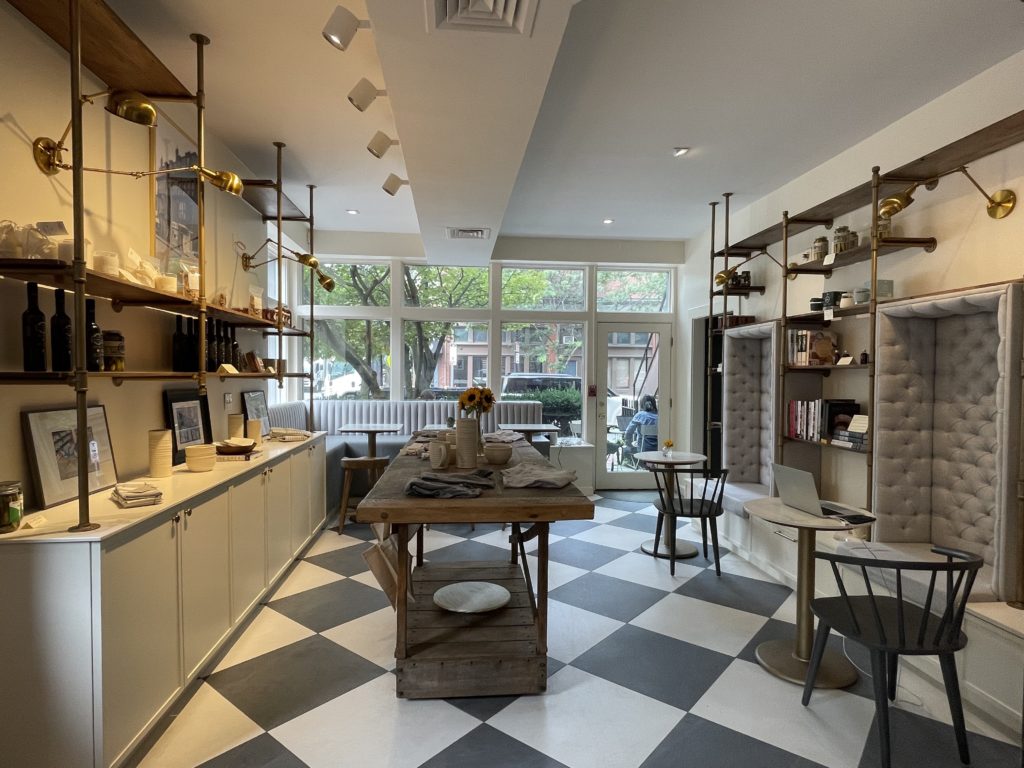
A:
{"x": 1000, "y": 204}
{"x": 128, "y": 105}
{"x": 364, "y": 94}
{"x": 342, "y": 27}
{"x": 393, "y": 183}
{"x": 380, "y": 144}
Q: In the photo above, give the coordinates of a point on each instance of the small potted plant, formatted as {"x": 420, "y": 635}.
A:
{"x": 666, "y": 448}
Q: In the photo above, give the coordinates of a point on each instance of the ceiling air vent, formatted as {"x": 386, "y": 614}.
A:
{"x": 514, "y": 16}
{"x": 467, "y": 233}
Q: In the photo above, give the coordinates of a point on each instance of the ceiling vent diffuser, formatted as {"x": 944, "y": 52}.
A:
{"x": 467, "y": 233}
{"x": 514, "y": 16}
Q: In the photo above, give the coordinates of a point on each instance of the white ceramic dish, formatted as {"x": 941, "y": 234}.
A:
{"x": 472, "y": 597}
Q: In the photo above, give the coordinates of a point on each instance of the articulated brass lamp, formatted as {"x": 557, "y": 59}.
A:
{"x": 1000, "y": 204}
{"x": 249, "y": 262}
{"x": 723, "y": 277}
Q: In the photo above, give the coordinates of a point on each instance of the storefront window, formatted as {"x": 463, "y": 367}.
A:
{"x": 352, "y": 360}
{"x": 632, "y": 291}
{"x": 557, "y": 290}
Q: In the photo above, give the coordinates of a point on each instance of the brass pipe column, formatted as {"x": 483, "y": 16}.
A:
{"x": 783, "y": 356}
{"x": 725, "y": 313}
{"x": 280, "y": 267}
{"x": 78, "y": 219}
{"x": 312, "y": 303}
{"x": 876, "y": 183}
{"x": 709, "y": 341}
{"x": 201, "y": 41}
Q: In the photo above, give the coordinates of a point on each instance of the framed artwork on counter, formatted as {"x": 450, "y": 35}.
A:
{"x": 187, "y": 415}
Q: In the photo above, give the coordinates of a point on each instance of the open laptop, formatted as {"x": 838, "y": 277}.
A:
{"x": 796, "y": 489}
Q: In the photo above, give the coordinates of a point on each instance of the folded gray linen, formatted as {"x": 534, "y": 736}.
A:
{"x": 503, "y": 436}
{"x": 536, "y": 475}
{"x": 420, "y": 486}
{"x": 478, "y": 478}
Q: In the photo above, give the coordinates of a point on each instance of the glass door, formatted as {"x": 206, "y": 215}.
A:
{"x": 634, "y": 368}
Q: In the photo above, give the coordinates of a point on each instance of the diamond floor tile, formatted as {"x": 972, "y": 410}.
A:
{"x": 330, "y": 605}
{"x": 608, "y": 596}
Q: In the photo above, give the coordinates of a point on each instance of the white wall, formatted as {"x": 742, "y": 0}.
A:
{"x": 34, "y": 91}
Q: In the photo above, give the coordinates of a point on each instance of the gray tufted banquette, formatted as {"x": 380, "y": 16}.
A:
{"x": 947, "y": 431}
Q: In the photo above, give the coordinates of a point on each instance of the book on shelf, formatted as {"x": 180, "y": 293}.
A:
{"x": 818, "y": 420}
{"x": 239, "y": 456}
{"x": 858, "y": 424}
{"x": 854, "y": 445}
{"x": 845, "y": 434}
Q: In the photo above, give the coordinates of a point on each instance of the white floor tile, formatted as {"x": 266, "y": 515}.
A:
{"x": 787, "y": 611}
{"x": 607, "y": 514}
{"x": 500, "y": 539}
{"x": 370, "y": 726}
{"x": 208, "y": 726}
{"x": 305, "y": 576}
{"x": 558, "y": 573}
{"x": 737, "y": 566}
{"x": 625, "y": 539}
{"x": 436, "y": 539}
{"x": 366, "y": 578}
{"x": 708, "y": 625}
{"x": 371, "y": 636}
{"x": 830, "y": 731}
{"x": 585, "y": 721}
{"x": 269, "y": 631}
{"x": 639, "y": 568}
{"x": 650, "y": 509}
{"x": 572, "y": 630}
{"x": 328, "y": 541}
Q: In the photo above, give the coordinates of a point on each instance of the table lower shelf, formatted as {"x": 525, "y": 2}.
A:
{"x": 470, "y": 654}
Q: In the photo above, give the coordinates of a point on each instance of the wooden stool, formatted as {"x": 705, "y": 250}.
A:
{"x": 374, "y": 468}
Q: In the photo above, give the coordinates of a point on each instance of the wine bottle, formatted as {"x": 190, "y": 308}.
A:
{"x": 33, "y": 333}
{"x": 60, "y": 335}
{"x": 93, "y": 338}
{"x": 178, "y": 345}
{"x": 222, "y": 344}
{"x": 191, "y": 359}
{"x": 211, "y": 348}
{"x": 236, "y": 353}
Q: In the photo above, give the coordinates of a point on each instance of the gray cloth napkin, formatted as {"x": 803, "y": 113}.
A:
{"x": 536, "y": 475}
{"x": 478, "y": 478}
{"x": 420, "y": 486}
{"x": 503, "y": 436}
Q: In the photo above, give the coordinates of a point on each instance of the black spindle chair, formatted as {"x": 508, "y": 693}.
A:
{"x": 688, "y": 491}
{"x": 891, "y": 625}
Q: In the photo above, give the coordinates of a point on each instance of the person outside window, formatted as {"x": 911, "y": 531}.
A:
{"x": 647, "y": 415}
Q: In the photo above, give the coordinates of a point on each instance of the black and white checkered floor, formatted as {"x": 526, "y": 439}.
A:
{"x": 645, "y": 669}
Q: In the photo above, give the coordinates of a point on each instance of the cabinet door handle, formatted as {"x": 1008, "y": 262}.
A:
{"x": 777, "y": 532}
{"x": 177, "y": 517}
{"x": 188, "y": 513}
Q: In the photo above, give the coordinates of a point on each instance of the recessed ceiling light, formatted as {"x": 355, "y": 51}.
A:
{"x": 608, "y": 221}
{"x": 679, "y": 151}
{"x": 352, "y": 212}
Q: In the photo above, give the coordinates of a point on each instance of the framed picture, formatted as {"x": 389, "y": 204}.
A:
{"x": 187, "y": 414}
{"x": 254, "y": 406}
{"x": 52, "y": 441}
{"x": 176, "y": 220}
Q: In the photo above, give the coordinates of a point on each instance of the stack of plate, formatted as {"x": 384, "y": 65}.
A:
{"x": 160, "y": 453}
{"x": 235, "y": 446}
{"x": 200, "y": 458}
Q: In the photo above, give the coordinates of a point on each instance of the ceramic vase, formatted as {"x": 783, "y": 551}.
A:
{"x": 467, "y": 442}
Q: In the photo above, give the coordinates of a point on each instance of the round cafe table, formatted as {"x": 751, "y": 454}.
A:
{"x": 785, "y": 658}
{"x": 684, "y": 549}
{"x": 371, "y": 431}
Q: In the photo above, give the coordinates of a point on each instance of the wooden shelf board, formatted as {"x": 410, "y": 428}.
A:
{"x": 35, "y": 377}
{"x": 863, "y": 253}
{"x": 826, "y": 369}
{"x": 992, "y": 138}
{"x": 822, "y": 444}
{"x": 818, "y": 318}
{"x": 110, "y": 50}
{"x": 261, "y": 195}
{"x": 247, "y": 375}
{"x": 143, "y": 375}
{"x": 237, "y": 317}
{"x": 740, "y": 291}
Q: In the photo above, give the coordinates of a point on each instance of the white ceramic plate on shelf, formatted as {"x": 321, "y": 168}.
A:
{"x": 472, "y": 597}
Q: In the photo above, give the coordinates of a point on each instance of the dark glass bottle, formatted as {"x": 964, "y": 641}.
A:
{"x": 236, "y": 353}
{"x": 223, "y": 348}
{"x": 33, "y": 333}
{"x": 191, "y": 359}
{"x": 60, "y": 335}
{"x": 93, "y": 338}
{"x": 178, "y": 345}
{"x": 211, "y": 348}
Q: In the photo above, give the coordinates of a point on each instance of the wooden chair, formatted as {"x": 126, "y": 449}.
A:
{"x": 892, "y": 625}
{"x": 373, "y": 467}
{"x": 688, "y": 491}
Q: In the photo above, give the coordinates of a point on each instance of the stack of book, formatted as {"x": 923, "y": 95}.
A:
{"x": 816, "y": 420}
{"x": 136, "y": 494}
{"x": 854, "y": 435}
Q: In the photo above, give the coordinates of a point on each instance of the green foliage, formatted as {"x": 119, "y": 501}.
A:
{"x": 620, "y": 291}
{"x": 559, "y": 406}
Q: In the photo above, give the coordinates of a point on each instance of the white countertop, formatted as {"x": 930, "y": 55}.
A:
{"x": 51, "y": 525}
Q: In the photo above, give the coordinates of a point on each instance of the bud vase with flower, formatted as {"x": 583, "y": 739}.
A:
{"x": 469, "y": 441}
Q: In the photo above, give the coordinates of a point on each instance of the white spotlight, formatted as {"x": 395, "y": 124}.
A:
{"x": 364, "y": 94}
{"x": 341, "y": 28}
{"x": 380, "y": 143}
{"x": 392, "y": 184}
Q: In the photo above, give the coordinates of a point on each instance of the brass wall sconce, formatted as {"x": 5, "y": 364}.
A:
{"x": 380, "y": 144}
{"x": 1000, "y": 204}
{"x": 393, "y": 183}
{"x": 249, "y": 262}
{"x": 128, "y": 105}
{"x": 723, "y": 277}
{"x": 363, "y": 94}
{"x": 342, "y": 27}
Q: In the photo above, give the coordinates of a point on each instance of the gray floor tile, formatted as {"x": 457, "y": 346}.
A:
{"x": 572, "y": 527}
{"x": 582, "y": 554}
{"x": 262, "y": 752}
{"x": 332, "y": 604}
{"x": 635, "y": 497}
{"x": 487, "y": 746}
{"x": 466, "y": 550}
{"x": 635, "y": 522}
{"x": 608, "y": 596}
{"x": 348, "y": 561}
{"x": 740, "y": 592}
{"x": 699, "y": 742}
{"x": 625, "y": 506}
{"x": 283, "y": 684}
{"x": 655, "y": 665}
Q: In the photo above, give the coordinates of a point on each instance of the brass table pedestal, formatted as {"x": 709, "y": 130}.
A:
{"x": 779, "y": 657}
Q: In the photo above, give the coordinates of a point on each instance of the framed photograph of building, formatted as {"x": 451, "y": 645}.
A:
{"x": 52, "y": 441}
{"x": 254, "y": 406}
{"x": 176, "y": 212}
{"x": 187, "y": 415}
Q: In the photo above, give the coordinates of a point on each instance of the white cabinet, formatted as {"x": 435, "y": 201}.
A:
{"x": 248, "y": 543}
{"x": 300, "y": 498}
{"x": 317, "y": 484}
{"x": 139, "y": 631}
{"x": 205, "y": 585}
{"x": 279, "y": 519}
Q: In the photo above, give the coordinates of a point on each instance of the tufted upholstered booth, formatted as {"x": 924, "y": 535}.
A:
{"x": 329, "y": 415}
{"x": 748, "y": 412}
{"x": 947, "y": 431}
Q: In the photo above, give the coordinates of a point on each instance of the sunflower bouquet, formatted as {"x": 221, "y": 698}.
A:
{"x": 476, "y": 400}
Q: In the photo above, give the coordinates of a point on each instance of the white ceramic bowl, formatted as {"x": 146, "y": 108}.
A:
{"x": 497, "y": 453}
{"x": 201, "y": 463}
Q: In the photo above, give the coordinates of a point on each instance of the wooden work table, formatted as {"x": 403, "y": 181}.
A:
{"x": 441, "y": 654}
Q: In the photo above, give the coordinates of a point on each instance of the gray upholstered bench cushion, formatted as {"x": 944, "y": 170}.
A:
{"x": 738, "y": 494}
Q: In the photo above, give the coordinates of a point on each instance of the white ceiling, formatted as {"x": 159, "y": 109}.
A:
{"x": 549, "y": 134}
